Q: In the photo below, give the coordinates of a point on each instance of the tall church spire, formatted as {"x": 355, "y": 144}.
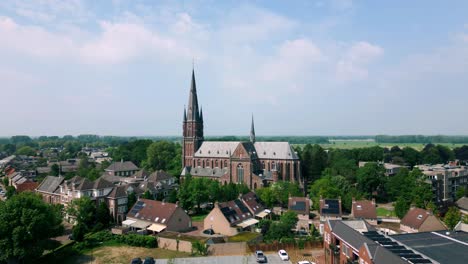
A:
{"x": 185, "y": 115}
{"x": 201, "y": 114}
{"x": 252, "y": 131}
{"x": 192, "y": 114}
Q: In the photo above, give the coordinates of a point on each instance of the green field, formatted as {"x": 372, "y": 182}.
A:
{"x": 385, "y": 212}
{"x": 351, "y": 144}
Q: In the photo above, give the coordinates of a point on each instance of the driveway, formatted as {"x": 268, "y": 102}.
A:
{"x": 248, "y": 259}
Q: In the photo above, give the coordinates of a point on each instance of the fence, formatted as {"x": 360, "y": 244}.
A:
{"x": 275, "y": 246}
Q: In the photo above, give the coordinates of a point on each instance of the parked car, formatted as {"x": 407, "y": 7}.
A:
{"x": 283, "y": 254}
{"x": 305, "y": 262}
{"x": 136, "y": 261}
{"x": 149, "y": 260}
{"x": 260, "y": 256}
{"x": 208, "y": 231}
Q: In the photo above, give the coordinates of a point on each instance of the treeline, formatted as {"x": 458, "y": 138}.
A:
{"x": 421, "y": 139}
{"x": 290, "y": 139}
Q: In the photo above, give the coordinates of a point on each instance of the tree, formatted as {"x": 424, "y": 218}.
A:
{"x": 103, "y": 217}
{"x": 289, "y": 219}
{"x": 401, "y": 207}
{"x": 55, "y": 170}
{"x": 411, "y": 156}
{"x": 26, "y": 222}
{"x": 461, "y": 192}
{"x": 452, "y": 217}
{"x": 10, "y": 191}
{"x": 83, "y": 210}
{"x": 26, "y": 151}
{"x": 160, "y": 154}
{"x": 314, "y": 161}
{"x": 131, "y": 199}
{"x": 370, "y": 177}
{"x": 147, "y": 195}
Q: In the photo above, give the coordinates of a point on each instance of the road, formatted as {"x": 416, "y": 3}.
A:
{"x": 248, "y": 259}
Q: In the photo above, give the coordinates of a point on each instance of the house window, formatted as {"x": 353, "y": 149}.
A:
{"x": 225, "y": 164}
{"x": 101, "y": 192}
{"x": 216, "y": 164}
{"x": 240, "y": 173}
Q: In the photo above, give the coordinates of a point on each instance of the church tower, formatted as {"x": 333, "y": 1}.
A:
{"x": 192, "y": 126}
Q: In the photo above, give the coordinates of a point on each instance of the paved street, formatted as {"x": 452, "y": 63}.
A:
{"x": 272, "y": 259}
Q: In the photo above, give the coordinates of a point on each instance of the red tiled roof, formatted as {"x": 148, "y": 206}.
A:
{"x": 152, "y": 211}
{"x": 415, "y": 217}
{"x": 364, "y": 209}
{"x": 26, "y": 186}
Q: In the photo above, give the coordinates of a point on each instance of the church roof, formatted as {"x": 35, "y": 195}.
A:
{"x": 275, "y": 150}
{"x": 216, "y": 149}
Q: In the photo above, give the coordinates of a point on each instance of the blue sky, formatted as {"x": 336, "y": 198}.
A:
{"x": 320, "y": 67}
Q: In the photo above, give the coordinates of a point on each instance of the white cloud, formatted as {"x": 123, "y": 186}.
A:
{"x": 354, "y": 64}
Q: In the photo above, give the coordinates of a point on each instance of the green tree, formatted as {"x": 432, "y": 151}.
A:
{"x": 289, "y": 219}
{"x": 10, "y": 192}
{"x": 401, "y": 207}
{"x": 411, "y": 156}
{"x": 83, "y": 211}
{"x": 314, "y": 161}
{"x": 160, "y": 154}
{"x": 26, "y": 222}
{"x": 131, "y": 199}
{"x": 55, "y": 170}
{"x": 370, "y": 177}
{"x": 26, "y": 150}
{"x": 452, "y": 217}
{"x": 147, "y": 195}
{"x": 103, "y": 216}
{"x": 461, "y": 192}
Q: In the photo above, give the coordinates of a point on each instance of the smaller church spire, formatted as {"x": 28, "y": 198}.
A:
{"x": 252, "y": 131}
{"x": 185, "y": 115}
{"x": 201, "y": 113}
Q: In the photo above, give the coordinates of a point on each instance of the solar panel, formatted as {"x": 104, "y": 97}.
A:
{"x": 299, "y": 206}
{"x": 241, "y": 206}
{"x": 420, "y": 261}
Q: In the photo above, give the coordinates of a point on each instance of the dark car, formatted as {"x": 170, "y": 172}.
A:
{"x": 260, "y": 256}
{"x": 136, "y": 261}
{"x": 149, "y": 260}
{"x": 208, "y": 232}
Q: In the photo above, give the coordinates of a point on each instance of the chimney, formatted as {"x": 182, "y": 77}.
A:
{"x": 354, "y": 199}
{"x": 177, "y": 204}
{"x": 240, "y": 196}
{"x": 216, "y": 205}
{"x": 373, "y": 201}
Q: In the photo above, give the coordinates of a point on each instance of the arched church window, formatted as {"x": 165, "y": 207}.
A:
{"x": 240, "y": 173}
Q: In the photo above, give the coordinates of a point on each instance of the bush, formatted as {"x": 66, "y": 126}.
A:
{"x": 92, "y": 240}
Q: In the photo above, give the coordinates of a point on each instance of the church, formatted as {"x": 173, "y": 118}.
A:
{"x": 257, "y": 164}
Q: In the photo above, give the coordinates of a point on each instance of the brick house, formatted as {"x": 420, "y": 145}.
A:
{"x": 122, "y": 168}
{"x": 156, "y": 216}
{"x": 57, "y": 190}
{"x": 230, "y": 218}
{"x": 254, "y": 163}
{"x": 420, "y": 220}
{"x": 301, "y": 206}
{"x": 365, "y": 210}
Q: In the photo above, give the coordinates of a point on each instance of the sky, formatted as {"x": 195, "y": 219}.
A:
{"x": 324, "y": 67}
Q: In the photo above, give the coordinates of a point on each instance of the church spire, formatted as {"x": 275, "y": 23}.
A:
{"x": 192, "y": 114}
{"x": 185, "y": 114}
{"x": 252, "y": 131}
{"x": 201, "y": 114}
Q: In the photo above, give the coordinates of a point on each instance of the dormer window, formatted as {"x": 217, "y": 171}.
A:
{"x": 164, "y": 220}
{"x": 419, "y": 217}
{"x": 359, "y": 207}
{"x": 157, "y": 218}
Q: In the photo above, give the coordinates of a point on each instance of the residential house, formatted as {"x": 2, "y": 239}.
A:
{"x": 26, "y": 186}
{"x": 357, "y": 241}
{"x": 301, "y": 206}
{"x": 365, "y": 210}
{"x": 156, "y": 216}
{"x": 330, "y": 209}
{"x": 57, "y": 190}
{"x": 420, "y": 220}
{"x": 69, "y": 165}
{"x": 122, "y": 168}
{"x": 390, "y": 168}
{"x": 229, "y": 218}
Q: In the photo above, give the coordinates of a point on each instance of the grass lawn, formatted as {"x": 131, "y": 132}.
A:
{"x": 243, "y": 237}
{"x": 385, "y": 212}
{"x": 123, "y": 254}
{"x": 198, "y": 218}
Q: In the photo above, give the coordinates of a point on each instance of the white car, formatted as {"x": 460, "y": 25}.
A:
{"x": 305, "y": 262}
{"x": 283, "y": 254}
